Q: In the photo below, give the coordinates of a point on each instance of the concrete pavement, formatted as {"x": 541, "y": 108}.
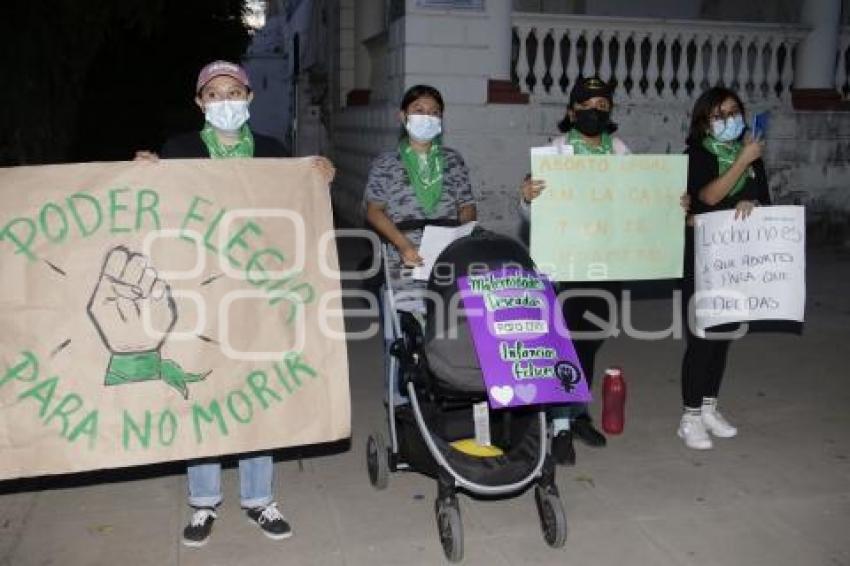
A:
{"x": 778, "y": 494}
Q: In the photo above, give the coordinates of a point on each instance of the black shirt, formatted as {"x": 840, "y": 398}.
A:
{"x": 191, "y": 146}
{"x": 703, "y": 169}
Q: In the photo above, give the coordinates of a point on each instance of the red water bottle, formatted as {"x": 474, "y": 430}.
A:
{"x": 613, "y": 401}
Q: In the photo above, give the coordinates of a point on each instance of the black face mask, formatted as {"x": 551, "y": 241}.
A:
{"x": 592, "y": 122}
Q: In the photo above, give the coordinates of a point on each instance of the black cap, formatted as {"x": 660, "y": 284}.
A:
{"x": 590, "y": 87}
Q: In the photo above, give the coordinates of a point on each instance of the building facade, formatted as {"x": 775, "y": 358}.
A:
{"x": 289, "y": 64}
{"x": 505, "y": 70}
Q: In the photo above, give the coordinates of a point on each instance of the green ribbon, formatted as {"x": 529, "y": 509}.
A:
{"x": 426, "y": 175}
{"x": 149, "y": 366}
{"x": 242, "y": 148}
{"x": 581, "y": 147}
{"x": 727, "y": 153}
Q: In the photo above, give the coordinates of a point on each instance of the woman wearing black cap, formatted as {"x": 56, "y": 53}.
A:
{"x": 588, "y": 130}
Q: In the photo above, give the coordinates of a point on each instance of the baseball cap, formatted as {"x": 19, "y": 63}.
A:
{"x": 588, "y": 88}
{"x": 222, "y": 68}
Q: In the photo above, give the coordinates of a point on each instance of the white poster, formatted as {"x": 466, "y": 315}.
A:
{"x": 434, "y": 240}
{"x": 750, "y": 269}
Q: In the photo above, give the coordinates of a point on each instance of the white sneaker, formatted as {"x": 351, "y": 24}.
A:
{"x": 692, "y": 431}
{"x": 715, "y": 423}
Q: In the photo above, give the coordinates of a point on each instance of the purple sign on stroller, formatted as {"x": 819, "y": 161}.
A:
{"x": 523, "y": 346}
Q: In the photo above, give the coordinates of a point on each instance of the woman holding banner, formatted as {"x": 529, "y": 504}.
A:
{"x": 223, "y": 93}
{"x": 588, "y": 130}
{"x": 725, "y": 172}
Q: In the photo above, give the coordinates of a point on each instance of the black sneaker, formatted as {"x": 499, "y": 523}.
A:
{"x": 562, "y": 448}
{"x": 197, "y": 532}
{"x": 583, "y": 427}
{"x": 271, "y": 521}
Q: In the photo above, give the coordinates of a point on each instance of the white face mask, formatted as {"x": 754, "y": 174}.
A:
{"x": 227, "y": 115}
{"x": 423, "y": 128}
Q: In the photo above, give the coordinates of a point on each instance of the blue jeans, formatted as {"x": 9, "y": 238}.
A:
{"x": 256, "y": 475}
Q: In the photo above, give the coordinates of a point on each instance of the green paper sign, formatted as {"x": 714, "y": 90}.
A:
{"x": 609, "y": 217}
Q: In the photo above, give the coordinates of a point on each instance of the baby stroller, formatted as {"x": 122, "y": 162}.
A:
{"x": 440, "y": 373}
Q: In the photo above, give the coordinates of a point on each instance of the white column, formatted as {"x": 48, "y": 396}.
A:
{"x": 758, "y": 70}
{"x": 522, "y": 57}
{"x": 667, "y": 73}
{"x": 772, "y": 67}
{"x": 653, "y": 72}
{"x": 816, "y": 53}
{"x": 499, "y": 13}
{"x": 368, "y": 21}
{"x": 622, "y": 70}
{"x": 557, "y": 69}
{"x": 539, "y": 69}
{"x": 572, "y": 61}
{"x": 605, "y": 65}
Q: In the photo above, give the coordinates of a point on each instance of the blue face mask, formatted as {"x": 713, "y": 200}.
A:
{"x": 729, "y": 129}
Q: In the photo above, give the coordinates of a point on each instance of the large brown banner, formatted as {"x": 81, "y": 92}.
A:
{"x": 166, "y": 311}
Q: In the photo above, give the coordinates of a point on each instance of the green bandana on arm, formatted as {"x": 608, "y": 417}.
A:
{"x": 426, "y": 175}
{"x": 581, "y": 147}
{"x": 242, "y": 148}
{"x": 727, "y": 153}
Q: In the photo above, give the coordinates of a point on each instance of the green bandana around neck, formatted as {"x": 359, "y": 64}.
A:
{"x": 426, "y": 175}
{"x": 727, "y": 153}
{"x": 581, "y": 147}
{"x": 242, "y": 148}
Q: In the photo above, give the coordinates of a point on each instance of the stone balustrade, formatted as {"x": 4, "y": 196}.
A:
{"x": 656, "y": 60}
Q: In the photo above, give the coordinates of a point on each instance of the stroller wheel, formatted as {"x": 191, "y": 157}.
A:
{"x": 450, "y": 528}
{"x": 377, "y": 461}
{"x": 553, "y": 520}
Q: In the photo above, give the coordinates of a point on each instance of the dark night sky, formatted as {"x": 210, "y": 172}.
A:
{"x": 99, "y": 79}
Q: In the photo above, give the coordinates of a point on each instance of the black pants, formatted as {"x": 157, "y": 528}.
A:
{"x": 574, "y": 311}
{"x": 704, "y": 361}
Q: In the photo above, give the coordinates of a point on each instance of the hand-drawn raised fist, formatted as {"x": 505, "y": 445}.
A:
{"x": 128, "y": 290}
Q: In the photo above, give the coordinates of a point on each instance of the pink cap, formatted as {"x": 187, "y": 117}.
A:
{"x": 222, "y": 68}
